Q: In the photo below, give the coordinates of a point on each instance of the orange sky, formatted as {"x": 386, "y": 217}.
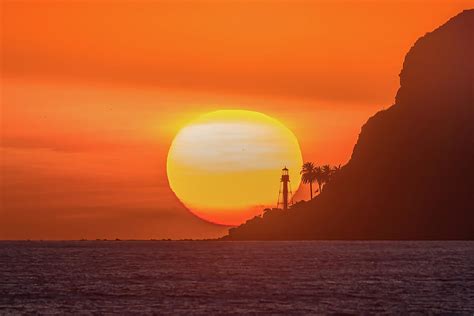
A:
{"x": 94, "y": 91}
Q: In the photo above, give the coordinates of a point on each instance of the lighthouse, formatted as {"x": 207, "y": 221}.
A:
{"x": 285, "y": 188}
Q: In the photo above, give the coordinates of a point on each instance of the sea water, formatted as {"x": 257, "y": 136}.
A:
{"x": 201, "y": 277}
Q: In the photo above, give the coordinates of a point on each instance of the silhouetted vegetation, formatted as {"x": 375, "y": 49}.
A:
{"x": 320, "y": 174}
{"x": 308, "y": 175}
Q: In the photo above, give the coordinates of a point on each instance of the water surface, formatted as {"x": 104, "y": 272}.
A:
{"x": 237, "y": 277}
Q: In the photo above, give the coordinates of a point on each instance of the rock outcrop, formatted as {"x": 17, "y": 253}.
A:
{"x": 411, "y": 174}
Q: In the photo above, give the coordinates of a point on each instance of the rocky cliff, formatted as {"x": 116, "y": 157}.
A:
{"x": 411, "y": 174}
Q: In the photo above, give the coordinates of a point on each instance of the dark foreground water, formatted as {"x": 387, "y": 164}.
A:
{"x": 236, "y": 277}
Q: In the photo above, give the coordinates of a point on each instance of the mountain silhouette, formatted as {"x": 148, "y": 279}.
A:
{"x": 411, "y": 173}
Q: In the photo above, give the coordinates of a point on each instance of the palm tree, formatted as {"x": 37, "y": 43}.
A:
{"x": 319, "y": 174}
{"x": 336, "y": 169}
{"x": 308, "y": 175}
{"x": 327, "y": 173}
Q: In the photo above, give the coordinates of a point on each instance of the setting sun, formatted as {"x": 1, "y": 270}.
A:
{"x": 226, "y": 164}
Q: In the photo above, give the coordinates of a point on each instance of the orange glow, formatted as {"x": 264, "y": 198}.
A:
{"x": 93, "y": 93}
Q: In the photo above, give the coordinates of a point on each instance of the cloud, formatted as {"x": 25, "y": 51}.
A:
{"x": 63, "y": 143}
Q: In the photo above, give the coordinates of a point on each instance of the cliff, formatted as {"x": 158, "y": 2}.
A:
{"x": 411, "y": 174}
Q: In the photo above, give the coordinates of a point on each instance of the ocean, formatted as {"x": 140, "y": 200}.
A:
{"x": 211, "y": 277}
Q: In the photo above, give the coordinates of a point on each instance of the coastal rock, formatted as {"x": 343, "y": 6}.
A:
{"x": 411, "y": 173}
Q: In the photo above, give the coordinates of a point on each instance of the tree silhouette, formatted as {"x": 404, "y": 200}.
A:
{"x": 319, "y": 178}
{"x": 327, "y": 173}
{"x": 308, "y": 175}
{"x": 335, "y": 172}
{"x": 320, "y": 174}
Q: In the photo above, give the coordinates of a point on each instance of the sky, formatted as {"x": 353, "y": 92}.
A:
{"x": 93, "y": 92}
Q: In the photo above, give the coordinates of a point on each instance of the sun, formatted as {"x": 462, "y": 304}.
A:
{"x": 225, "y": 165}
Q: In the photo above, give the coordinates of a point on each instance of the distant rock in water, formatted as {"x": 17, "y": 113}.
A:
{"x": 411, "y": 174}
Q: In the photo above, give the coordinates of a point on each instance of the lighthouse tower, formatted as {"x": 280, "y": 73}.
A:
{"x": 284, "y": 189}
